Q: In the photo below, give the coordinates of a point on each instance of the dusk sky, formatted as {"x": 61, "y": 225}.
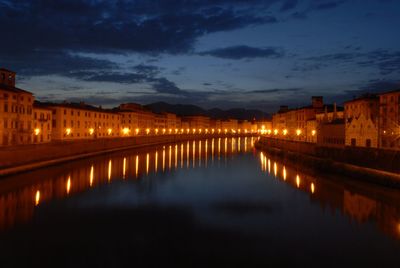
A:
{"x": 215, "y": 53}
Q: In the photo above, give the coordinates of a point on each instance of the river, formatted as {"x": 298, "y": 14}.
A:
{"x": 197, "y": 203}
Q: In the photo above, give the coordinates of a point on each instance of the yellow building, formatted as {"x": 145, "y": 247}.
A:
{"x": 361, "y": 121}
{"x": 15, "y": 111}
{"x": 145, "y": 118}
{"x": 42, "y": 121}
{"x": 79, "y": 121}
{"x": 197, "y": 122}
{"x": 389, "y": 111}
{"x": 245, "y": 126}
{"x": 292, "y": 124}
{"x": 311, "y": 131}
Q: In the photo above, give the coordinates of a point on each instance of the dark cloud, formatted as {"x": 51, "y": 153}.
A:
{"x": 117, "y": 25}
{"x": 328, "y": 4}
{"x": 163, "y": 85}
{"x": 288, "y": 5}
{"x": 114, "y": 77}
{"x": 244, "y": 52}
{"x": 53, "y": 62}
{"x": 276, "y": 90}
{"x": 387, "y": 62}
{"x": 379, "y": 85}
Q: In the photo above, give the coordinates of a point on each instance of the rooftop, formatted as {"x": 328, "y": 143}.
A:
{"x": 6, "y": 70}
{"x": 75, "y": 105}
{"x": 13, "y": 89}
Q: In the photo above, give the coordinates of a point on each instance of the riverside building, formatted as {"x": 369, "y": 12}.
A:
{"x": 15, "y": 111}
{"x": 79, "y": 121}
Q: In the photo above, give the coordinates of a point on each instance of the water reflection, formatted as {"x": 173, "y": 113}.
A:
{"x": 17, "y": 203}
{"x": 360, "y": 202}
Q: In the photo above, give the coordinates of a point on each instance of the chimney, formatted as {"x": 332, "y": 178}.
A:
{"x": 334, "y": 111}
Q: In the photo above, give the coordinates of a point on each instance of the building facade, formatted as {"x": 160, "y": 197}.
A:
{"x": 79, "y": 121}
{"x": 42, "y": 124}
{"x": 361, "y": 121}
{"x": 389, "y": 119}
{"x": 16, "y": 107}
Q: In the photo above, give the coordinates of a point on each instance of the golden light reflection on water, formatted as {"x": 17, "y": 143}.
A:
{"x": 199, "y": 153}
{"x": 37, "y": 198}
{"x": 137, "y": 166}
{"x": 194, "y": 154}
{"x": 155, "y": 161}
{"x": 68, "y": 185}
{"x": 170, "y": 158}
{"x": 298, "y": 181}
{"x": 284, "y": 173}
{"x": 91, "y": 176}
{"x": 176, "y": 156}
{"x": 124, "y": 168}
{"x": 109, "y": 169}
{"x": 187, "y": 154}
{"x": 24, "y": 201}
{"x": 163, "y": 159}
{"x": 147, "y": 163}
{"x": 182, "y": 155}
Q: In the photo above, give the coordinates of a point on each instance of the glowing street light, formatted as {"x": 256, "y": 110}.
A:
{"x": 147, "y": 131}
{"x": 91, "y": 131}
{"x": 37, "y": 131}
{"x": 156, "y": 131}
{"x": 68, "y": 131}
{"x": 137, "y": 131}
{"x": 275, "y": 132}
{"x": 109, "y": 131}
{"x": 313, "y": 132}
{"x": 125, "y": 131}
{"x": 285, "y": 132}
{"x": 298, "y": 132}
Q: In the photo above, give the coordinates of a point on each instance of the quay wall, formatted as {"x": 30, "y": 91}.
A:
{"x": 367, "y": 164}
{"x": 22, "y": 158}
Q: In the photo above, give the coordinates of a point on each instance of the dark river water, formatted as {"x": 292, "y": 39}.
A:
{"x": 216, "y": 202}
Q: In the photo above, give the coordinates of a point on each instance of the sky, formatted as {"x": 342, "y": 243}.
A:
{"x": 211, "y": 53}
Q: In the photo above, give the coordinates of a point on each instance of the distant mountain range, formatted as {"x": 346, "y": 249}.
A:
{"x": 187, "y": 110}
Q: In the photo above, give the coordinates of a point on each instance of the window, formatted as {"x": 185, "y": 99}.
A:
{"x": 5, "y": 107}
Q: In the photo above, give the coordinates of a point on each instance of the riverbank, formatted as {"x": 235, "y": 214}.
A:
{"x": 28, "y": 157}
{"x": 307, "y": 155}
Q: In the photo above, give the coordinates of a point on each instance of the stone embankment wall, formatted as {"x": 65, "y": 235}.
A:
{"x": 368, "y": 164}
{"x": 25, "y": 157}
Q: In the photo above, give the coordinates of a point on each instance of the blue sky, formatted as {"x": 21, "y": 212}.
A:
{"x": 250, "y": 54}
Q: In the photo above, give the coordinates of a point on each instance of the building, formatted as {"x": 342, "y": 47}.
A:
{"x": 197, "y": 122}
{"x": 311, "y": 131}
{"x": 292, "y": 124}
{"x": 146, "y": 120}
{"x": 16, "y": 107}
{"x": 230, "y": 125}
{"x": 361, "y": 121}
{"x": 331, "y": 134}
{"x": 42, "y": 124}
{"x": 330, "y": 113}
{"x": 389, "y": 123}
{"x": 245, "y": 126}
{"x": 79, "y": 121}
